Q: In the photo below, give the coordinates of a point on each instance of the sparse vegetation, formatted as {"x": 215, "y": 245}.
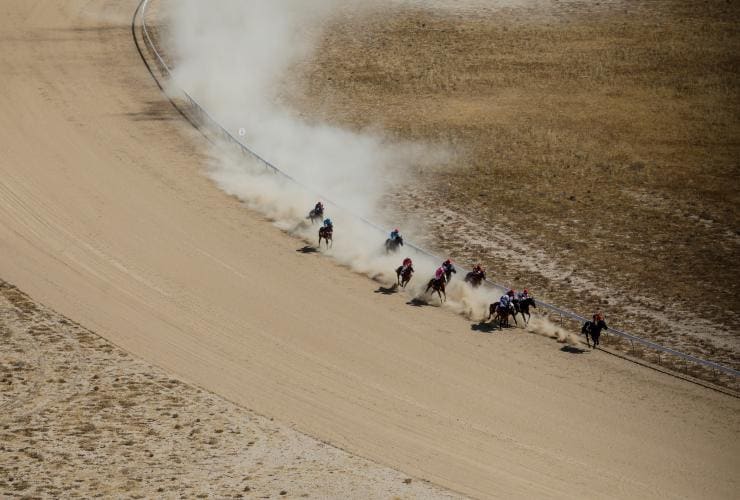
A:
{"x": 604, "y": 135}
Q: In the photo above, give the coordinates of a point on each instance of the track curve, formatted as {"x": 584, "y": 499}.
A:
{"x": 106, "y": 217}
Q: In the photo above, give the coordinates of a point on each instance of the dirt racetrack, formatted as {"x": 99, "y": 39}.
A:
{"x": 106, "y": 217}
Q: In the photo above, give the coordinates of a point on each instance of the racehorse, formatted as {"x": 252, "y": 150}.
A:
{"x": 593, "y": 330}
{"x": 437, "y": 285}
{"x": 403, "y": 275}
{"x": 326, "y": 233}
{"x": 393, "y": 245}
{"x": 315, "y": 215}
{"x": 522, "y": 307}
{"x": 500, "y": 315}
{"x": 475, "y": 279}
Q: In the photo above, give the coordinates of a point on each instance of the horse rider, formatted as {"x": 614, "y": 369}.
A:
{"x": 449, "y": 268}
{"x": 407, "y": 265}
{"x": 440, "y": 274}
{"x": 523, "y": 295}
{"x": 508, "y": 299}
{"x": 328, "y": 225}
{"x": 394, "y": 234}
{"x": 318, "y": 209}
{"x": 505, "y": 301}
{"x": 479, "y": 272}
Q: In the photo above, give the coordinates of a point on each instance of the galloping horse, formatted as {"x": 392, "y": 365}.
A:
{"x": 326, "y": 233}
{"x": 315, "y": 215}
{"x": 593, "y": 329}
{"x": 500, "y": 315}
{"x": 392, "y": 245}
{"x": 522, "y": 307}
{"x": 475, "y": 278}
{"x": 437, "y": 285}
{"x": 404, "y": 275}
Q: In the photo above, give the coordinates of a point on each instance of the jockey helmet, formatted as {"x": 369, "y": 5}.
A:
{"x": 448, "y": 261}
{"x": 395, "y": 230}
{"x": 510, "y": 292}
{"x": 327, "y": 222}
{"x": 526, "y": 291}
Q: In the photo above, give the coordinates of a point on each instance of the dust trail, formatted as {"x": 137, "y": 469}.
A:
{"x": 232, "y": 59}
{"x": 543, "y": 326}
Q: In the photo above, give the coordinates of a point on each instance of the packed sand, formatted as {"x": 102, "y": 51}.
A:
{"x": 106, "y": 217}
{"x": 107, "y": 424}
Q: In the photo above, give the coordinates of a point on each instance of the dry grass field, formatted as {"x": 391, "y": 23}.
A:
{"x": 596, "y": 149}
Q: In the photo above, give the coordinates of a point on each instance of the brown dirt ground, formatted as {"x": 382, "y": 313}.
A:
{"x": 596, "y": 149}
{"x": 82, "y": 418}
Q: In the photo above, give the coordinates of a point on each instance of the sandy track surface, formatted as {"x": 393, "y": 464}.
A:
{"x": 105, "y": 216}
{"x": 108, "y": 424}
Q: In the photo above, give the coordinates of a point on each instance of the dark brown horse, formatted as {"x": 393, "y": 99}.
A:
{"x": 404, "y": 275}
{"x": 501, "y": 315}
{"x": 393, "y": 245}
{"x": 326, "y": 233}
{"x": 315, "y": 215}
{"x": 593, "y": 329}
{"x": 475, "y": 278}
{"x": 437, "y": 285}
{"x": 522, "y": 307}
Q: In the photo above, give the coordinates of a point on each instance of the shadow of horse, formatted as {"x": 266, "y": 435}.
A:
{"x": 387, "y": 290}
{"x": 417, "y": 302}
{"x": 572, "y": 349}
{"x": 307, "y": 249}
{"x": 483, "y": 327}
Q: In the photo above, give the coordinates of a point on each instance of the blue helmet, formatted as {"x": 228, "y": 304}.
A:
{"x": 327, "y": 222}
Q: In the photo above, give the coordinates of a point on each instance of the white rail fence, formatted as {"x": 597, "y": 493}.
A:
{"x": 204, "y": 119}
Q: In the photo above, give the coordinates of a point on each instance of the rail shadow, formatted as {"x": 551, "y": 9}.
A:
{"x": 707, "y": 385}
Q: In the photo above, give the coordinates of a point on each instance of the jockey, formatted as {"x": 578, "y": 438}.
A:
{"x": 479, "y": 272}
{"x": 439, "y": 274}
{"x": 449, "y": 268}
{"x": 328, "y": 225}
{"x": 523, "y": 295}
{"x": 505, "y": 301}
{"x": 407, "y": 264}
{"x": 319, "y": 208}
{"x": 394, "y": 234}
{"x": 512, "y": 297}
